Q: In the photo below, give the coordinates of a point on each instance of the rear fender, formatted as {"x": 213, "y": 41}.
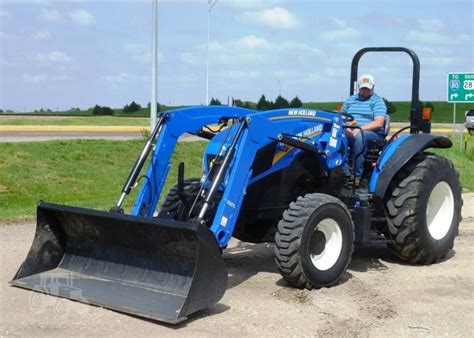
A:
{"x": 397, "y": 154}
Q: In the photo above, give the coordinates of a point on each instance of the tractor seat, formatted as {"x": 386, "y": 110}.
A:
{"x": 374, "y": 149}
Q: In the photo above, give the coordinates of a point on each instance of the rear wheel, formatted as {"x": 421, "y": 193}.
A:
{"x": 314, "y": 241}
{"x": 424, "y": 209}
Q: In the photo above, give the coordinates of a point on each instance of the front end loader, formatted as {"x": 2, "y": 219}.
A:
{"x": 156, "y": 264}
{"x": 273, "y": 176}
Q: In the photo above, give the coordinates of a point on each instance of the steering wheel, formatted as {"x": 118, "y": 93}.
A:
{"x": 348, "y": 117}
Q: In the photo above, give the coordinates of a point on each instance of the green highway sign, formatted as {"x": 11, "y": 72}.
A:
{"x": 461, "y": 87}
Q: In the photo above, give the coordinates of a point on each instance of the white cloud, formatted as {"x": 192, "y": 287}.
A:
{"x": 341, "y": 31}
{"x": 55, "y": 57}
{"x": 277, "y": 18}
{"x": 251, "y": 41}
{"x": 250, "y": 4}
{"x": 252, "y": 50}
{"x": 433, "y": 51}
{"x": 229, "y": 74}
{"x": 50, "y": 15}
{"x": 439, "y": 61}
{"x": 189, "y": 58}
{"x": 432, "y": 31}
{"x": 124, "y": 78}
{"x": 41, "y": 35}
{"x": 82, "y": 17}
{"x": 140, "y": 53}
{"x": 339, "y": 34}
{"x": 43, "y": 2}
{"x": 245, "y": 43}
{"x": 431, "y": 24}
{"x": 36, "y": 78}
{"x": 336, "y": 72}
{"x": 42, "y": 78}
{"x": 437, "y": 38}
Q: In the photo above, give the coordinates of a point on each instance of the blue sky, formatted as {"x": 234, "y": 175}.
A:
{"x": 60, "y": 55}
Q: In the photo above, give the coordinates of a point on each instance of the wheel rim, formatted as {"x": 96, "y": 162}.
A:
{"x": 325, "y": 244}
{"x": 440, "y": 210}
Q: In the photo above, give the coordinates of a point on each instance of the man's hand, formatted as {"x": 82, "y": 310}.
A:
{"x": 352, "y": 132}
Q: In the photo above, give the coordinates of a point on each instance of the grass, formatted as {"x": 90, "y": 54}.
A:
{"x": 88, "y": 173}
{"x": 78, "y": 121}
{"x": 463, "y": 161}
{"x": 91, "y": 173}
{"x": 443, "y": 112}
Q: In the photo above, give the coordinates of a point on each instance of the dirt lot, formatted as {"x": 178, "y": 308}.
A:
{"x": 379, "y": 296}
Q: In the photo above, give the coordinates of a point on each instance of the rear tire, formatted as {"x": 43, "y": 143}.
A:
{"x": 314, "y": 241}
{"x": 423, "y": 208}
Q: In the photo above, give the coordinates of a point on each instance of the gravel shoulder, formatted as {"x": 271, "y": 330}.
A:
{"x": 379, "y": 296}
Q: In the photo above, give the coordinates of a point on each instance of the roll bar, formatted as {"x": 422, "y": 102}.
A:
{"x": 417, "y": 123}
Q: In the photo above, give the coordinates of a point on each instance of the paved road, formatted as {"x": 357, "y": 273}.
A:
{"x": 46, "y": 133}
{"x": 37, "y": 136}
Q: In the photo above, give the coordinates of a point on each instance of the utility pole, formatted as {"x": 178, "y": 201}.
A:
{"x": 154, "y": 67}
{"x": 210, "y": 6}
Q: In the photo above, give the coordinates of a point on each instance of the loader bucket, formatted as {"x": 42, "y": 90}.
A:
{"x": 159, "y": 269}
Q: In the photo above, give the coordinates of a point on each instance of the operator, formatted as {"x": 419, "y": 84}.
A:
{"x": 369, "y": 111}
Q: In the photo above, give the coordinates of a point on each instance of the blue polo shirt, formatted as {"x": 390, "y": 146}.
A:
{"x": 364, "y": 111}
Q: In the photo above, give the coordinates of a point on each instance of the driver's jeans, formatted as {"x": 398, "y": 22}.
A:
{"x": 357, "y": 146}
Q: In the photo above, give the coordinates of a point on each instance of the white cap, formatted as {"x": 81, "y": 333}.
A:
{"x": 366, "y": 81}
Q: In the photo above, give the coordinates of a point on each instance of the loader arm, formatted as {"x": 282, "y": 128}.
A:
{"x": 176, "y": 123}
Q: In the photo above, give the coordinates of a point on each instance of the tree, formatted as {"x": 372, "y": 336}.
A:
{"x": 263, "y": 104}
{"x": 242, "y": 104}
{"x": 133, "y": 107}
{"x": 238, "y": 103}
{"x": 215, "y": 102}
{"x": 158, "y": 106}
{"x": 280, "y": 103}
{"x": 98, "y": 110}
{"x": 390, "y": 106}
{"x": 296, "y": 103}
{"x": 246, "y": 105}
{"x": 107, "y": 111}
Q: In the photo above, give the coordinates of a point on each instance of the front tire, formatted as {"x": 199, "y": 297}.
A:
{"x": 314, "y": 241}
{"x": 172, "y": 204}
{"x": 423, "y": 208}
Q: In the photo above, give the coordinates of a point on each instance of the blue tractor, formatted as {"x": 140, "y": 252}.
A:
{"x": 272, "y": 176}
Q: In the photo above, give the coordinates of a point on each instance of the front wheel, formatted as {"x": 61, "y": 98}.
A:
{"x": 173, "y": 205}
{"x": 424, "y": 209}
{"x": 314, "y": 241}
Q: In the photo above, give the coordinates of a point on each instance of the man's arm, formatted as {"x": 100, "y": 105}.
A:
{"x": 376, "y": 124}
